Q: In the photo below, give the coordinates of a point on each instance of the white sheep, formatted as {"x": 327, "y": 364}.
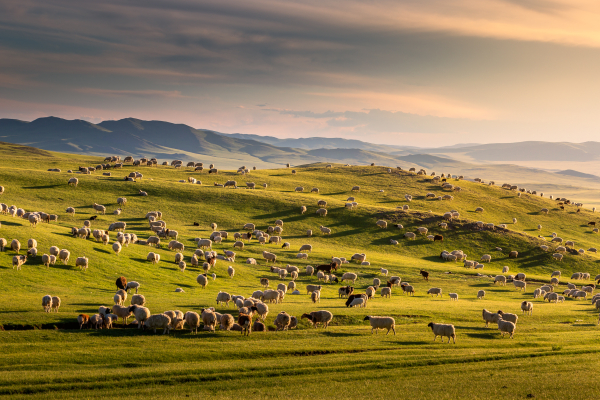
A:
{"x": 377, "y": 323}
{"x": 506, "y": 327}
{"x": 489, "y": 317}
{"x": 443, "y": 330}
{"x": 480, "y": 294}
{"x": 159, "y": 321}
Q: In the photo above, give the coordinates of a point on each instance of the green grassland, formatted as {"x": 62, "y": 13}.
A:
{"x": 552, "y": 355}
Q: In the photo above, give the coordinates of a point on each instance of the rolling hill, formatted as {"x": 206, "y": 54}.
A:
{"x": 45, "y": 355}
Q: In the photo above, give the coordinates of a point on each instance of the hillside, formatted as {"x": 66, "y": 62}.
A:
{"x": 201, "y": 364}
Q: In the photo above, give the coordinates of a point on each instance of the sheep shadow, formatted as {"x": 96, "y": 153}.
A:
{"x": 186, "y": 286}
{"x": 42, "y": 187}
{"x": 339, "y": 334}
{"x": 487, "y": 336}
{"x": 7, "y": 223}
{"x": 102, "y": 251}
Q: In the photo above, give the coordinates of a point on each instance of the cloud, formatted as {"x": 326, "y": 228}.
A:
{"x": 384, "y": 66}
{"x": 133, "y": 93}
{"x": 382, "y": 121}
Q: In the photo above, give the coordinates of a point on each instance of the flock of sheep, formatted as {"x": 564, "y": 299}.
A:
{"x": 253, "y": 310}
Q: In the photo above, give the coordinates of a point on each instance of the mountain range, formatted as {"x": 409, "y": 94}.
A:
{"x": 166, "y": 141}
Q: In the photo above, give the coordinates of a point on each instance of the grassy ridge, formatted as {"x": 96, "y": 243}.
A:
{"x": 554, "y": 331}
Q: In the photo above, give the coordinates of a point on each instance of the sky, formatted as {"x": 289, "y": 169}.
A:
{"x": 402, "y": 72}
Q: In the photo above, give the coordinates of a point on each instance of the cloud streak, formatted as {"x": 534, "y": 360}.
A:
{"x": 468, "y": 67}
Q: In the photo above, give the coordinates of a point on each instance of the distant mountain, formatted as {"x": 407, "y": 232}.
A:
{"x": 525, "y": 151}
{"x": 570, "y": 172}
{"x": 167, "y": 141}
{"x": 312, "y": 143}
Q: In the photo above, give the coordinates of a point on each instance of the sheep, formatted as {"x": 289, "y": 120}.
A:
{"x": 508, "y": 317}
{"x": 318, "y": 317}
{"x": 15, "y": 245}
{"x": 82, "y": 262}
{"x": 306, "y": 247}
{"x": 73, "y": 181}
{"x": 302, "y": 209}
{"x": 269, "y": 257}
{"x": 159, "y": 321}
{"x": 410, "y": 235}
{"x": 47, "y": 303}
{"x": 310, "y": 270}
{"x": 453, "y": 296}
{"x": 386, "y": 292}
{"x": 138, "y": 299}
{"x": 381, "y": 224}
{"x": 506, "y": 327}
{"x": 282, "y": 321}
{"x": 202, "y": 280}
{"x": 177, "y": 246}
{"x": 223, "y": 297}
{"x": 358, "y": 301}
{"x": 443, "y": 330}
{"x": 489, "y": 317}
{"x": 501, "y": 279}
{"x": 121, "y": 312}
{"x": 141, "y": 314}
{"x": 436, "y": 291}
{"x": 521, "y": 285}
{"x": 226, "y": 322}
{"x": 117, "y": 226}
{"x": 480, "y": 294}
{"x": 322, "y": 212}
{"x": 486, "y": 257}
{"x": 408, "y": 289}
{"x": 209, "y": 319}
{"x": 377, "y": 323}
{"x": 349, "y": 276}
{"x": 83, "y": 319}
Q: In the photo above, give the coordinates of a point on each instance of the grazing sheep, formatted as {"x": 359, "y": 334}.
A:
{"x": 408, "y": 289}
{"x": 377, "y": 323}
{"x": 312, "y": 288}
{"x": 489, "y": 317}
{"x": 386, "y": 292}
{"x": 202, "y": 280}
{"x": 82, "y": 262}
{"x": 501, "y": 279}
{"x": 506, "y": 327}
{"x": 159, "y": 321}
{"x": 453, "y": 296}
{"x": 83, "y": 319}
{"x": 527, "y": 307}
{"x": 318, "y": 317}
{"x": 282, "y": 321}
{"x": 121, "y": 312}
{"x": 349, "y": 276}
{"x": 382, "y": 224}
{"x": 436, "y": 291}
{"x": 480, "y": 294}
{"x": 443, "y": 330}
{"x": 47, "y": 303}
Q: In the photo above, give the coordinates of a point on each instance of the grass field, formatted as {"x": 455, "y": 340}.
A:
{"x": 552, "y": 355}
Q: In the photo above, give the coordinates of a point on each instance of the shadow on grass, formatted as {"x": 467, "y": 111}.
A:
{"x": 488, "y": 336}
{"x": 103, "y": 251}
{"x": 42, "y": 187}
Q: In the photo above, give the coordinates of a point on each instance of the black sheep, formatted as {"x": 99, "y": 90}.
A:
{"x": 122, "y": 283}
